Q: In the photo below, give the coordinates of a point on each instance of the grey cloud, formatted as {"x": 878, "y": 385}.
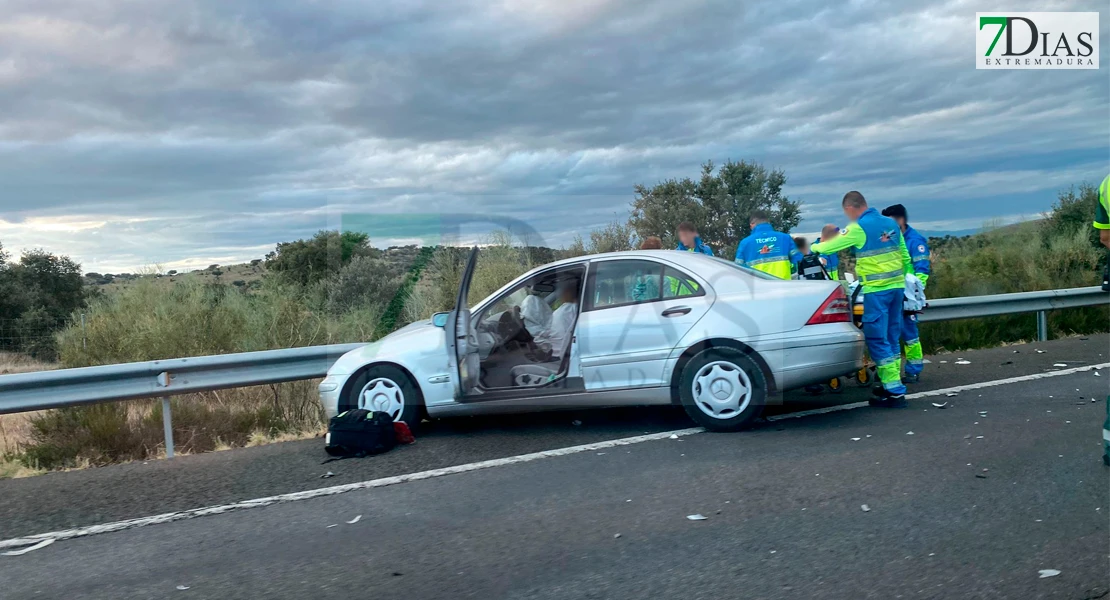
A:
{"x": 247, "y": 123}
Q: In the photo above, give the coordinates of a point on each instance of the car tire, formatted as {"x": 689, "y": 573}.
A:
{"x": 388, "y": 389}
{"x": 723, "y": 389}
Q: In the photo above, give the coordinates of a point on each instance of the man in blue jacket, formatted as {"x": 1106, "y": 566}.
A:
{"x": 689, "y": 241}
{"x": 767, "y": 250}
{"x": 919, "y": 256}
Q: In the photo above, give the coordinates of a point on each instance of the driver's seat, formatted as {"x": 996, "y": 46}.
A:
{"x": 534, "y": 374}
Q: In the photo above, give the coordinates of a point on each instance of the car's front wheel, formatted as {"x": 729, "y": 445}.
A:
{"x": 723, "y": 389}
{"x": 388, "y": 389}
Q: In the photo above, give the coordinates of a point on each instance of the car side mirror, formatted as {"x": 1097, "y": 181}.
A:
{"x": 440, "y": 319}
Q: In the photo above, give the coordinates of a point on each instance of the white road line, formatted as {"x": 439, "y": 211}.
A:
{"x": 943, "y": 391}
{"x": 338, "y": 489}
{"x": 476, "y": 466}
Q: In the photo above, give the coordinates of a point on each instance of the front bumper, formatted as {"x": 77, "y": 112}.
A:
{"x": 330, "y": 389}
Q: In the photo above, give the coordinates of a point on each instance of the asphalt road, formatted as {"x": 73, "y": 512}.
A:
{"x": 789, "y": 494}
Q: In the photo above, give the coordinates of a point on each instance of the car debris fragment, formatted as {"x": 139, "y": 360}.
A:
{"x": 354, "y": 520}
{"x": 865, "y": 508}
{"x": 1043, "y": 573}
{"x": 963, "y": 362}
{"x": 697, "y": 517}
{"x": 940, "y": 405}
{"x": 327, "y": 475}
{"x": 182, "y": 588}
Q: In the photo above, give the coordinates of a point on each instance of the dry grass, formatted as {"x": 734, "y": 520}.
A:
{"x": 14, "y": 429}
{"x": 11, "y": 364}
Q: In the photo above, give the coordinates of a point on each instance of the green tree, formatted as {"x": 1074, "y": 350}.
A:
{"x": 718, "y": 204}
{"x": 613, "y": 237}
{"x": 308, "y": 261}
{"x": 1073, "y": 210}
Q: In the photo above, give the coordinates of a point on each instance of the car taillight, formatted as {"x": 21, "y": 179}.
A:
{"x": 835, "y": 309}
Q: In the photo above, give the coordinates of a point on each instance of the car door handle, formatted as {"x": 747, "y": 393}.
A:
{"x": 677, "y": 310}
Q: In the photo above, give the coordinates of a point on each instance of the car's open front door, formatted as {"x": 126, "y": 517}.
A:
{"x": 462, "y": 339}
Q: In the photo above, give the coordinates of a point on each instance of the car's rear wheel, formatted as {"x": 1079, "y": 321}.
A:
{"x": 388, "y": 389}
{"x": 723, "y": 389}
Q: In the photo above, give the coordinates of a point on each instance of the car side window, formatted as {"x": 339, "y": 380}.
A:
{"x": 677, "y": 284}
{"x": 622, "y": 282}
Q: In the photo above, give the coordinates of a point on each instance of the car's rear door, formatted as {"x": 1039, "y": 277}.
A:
{"x": 634, "y": 313}
{"x": 462, "y": 340}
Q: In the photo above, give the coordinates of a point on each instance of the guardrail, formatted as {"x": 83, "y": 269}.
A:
{"x": 165, "y": 378}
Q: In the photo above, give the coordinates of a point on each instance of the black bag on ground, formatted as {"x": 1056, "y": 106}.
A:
{"x": 358, "y": 432}
{"x": 810, "y": 267}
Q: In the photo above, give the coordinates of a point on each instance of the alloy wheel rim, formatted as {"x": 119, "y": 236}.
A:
{"x": 382, "y": 395}
{"x": 722, "y": 390}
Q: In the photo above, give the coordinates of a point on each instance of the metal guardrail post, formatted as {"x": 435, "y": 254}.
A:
{"x": 1042, "y": 326}
{"x": 167, "y": 425}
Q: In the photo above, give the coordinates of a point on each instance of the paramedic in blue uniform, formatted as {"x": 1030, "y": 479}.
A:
{"x": 767, "y": 250}
{"x": 919, "y": 256}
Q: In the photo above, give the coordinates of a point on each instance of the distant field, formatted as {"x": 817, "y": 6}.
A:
{"x": 241, "y": 275}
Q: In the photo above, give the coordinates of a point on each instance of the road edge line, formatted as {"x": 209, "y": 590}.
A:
{"x": 338, "y": 489}
{"x": 476, "y": 466}
{"x": 949, "y": 390}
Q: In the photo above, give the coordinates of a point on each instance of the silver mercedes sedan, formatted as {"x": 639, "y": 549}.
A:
{"x": 635, "y": 328}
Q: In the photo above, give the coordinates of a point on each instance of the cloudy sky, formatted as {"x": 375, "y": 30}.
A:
{"x": 187, "y": 132}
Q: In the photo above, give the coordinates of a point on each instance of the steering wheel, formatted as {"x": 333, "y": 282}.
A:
{"x": 511, "y": 327}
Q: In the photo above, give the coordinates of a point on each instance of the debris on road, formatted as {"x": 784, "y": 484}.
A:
{"x": 952, "y": 394}
{"x": 865, "y": 508}
{"x": 616, "y": 535}
{"x": 941, "y": 404}
{"x": 674, "y": 436}
{"x": 23, "y": 551}
{"x": 909, "y": 433}
{"x": 978, "y": 437}
{"x": 182, "y": 587}
{"x": 332, "y": 525}
{"x": 980, "y": 476}
{"x": 327, "y": 475}
{"x": 943, "y": 362}
{"x": 354, "y": 520}
{"x": 1097, "y": 374}
{"x": 1040, "y": 351}
{"x": 1047, "y": 573}
{"x": 1059, "y": 364}
{"x": 856, "y": 439}
{"x": 696, "y": 517}
{"x": 963, "y": 362}
{"x": 926, "y": 361}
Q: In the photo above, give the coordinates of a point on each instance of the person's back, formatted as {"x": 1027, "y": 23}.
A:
{"x": 767, "y": 250}
{"x": 879, "y": 261}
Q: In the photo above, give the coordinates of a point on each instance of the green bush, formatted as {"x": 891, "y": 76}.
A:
{"x": 1022, "y": 258}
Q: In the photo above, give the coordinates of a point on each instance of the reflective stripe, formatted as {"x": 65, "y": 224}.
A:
{"x": 886, "y": 361}
{"x": 918, "y": 257}
{"x": 875, "y": 252}
{"x": 876, "y": 277}
{"x": 912, "y": 342}
{"x": 764, "y": 261}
